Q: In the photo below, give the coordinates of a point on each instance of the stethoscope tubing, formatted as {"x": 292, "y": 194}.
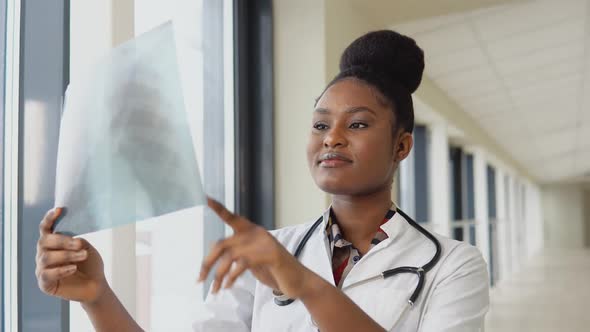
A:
{"x": 420, "y": 272}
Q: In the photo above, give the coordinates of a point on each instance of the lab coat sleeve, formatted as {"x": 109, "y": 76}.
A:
{"x": 230, "y": 309}
{"x": 460, "y": 299}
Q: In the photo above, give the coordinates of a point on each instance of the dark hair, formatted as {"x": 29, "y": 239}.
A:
{"x": 392, "y": 64}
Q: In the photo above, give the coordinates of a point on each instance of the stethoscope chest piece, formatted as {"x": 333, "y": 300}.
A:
{"x": 281, "y": 299}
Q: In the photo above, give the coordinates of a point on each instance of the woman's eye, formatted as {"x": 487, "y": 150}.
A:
{"x": 320, "y": 126}
{"x": 358, "y": 125}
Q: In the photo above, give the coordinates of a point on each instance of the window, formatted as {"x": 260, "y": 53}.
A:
{"x": 493, "y": 225}
{"x": 153, "y": 265}
{"x": 506, "y": 235}
{"x": 462, "y": 195}
{"x": 35, "y": 81}
{"x": 413, "y": 184}
{"x": 421, "y": 150}
{"x": 470, "y": 196}
{"x": 456, "y": 185}
{"x": 491, "y": 179}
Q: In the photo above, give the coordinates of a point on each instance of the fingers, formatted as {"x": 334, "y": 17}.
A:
{"x": 222, "y": 269}
{"x": 48, "y": 278}
{"x": 59, "y": 242}
{"x": 216, "y": 252}
{"x": 238, "y": 269}
{"x": 48, "y": 221}
{"x": 237, "y": 223}
{"x": 244, "y": 250}
{"x": 84, "y": 244}
{"x": 49, "y": 259}
{"x": 220, "y": 210}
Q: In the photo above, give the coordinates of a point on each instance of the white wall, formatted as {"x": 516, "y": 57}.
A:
{"x": 563, "y": 213}
{"x": 481, "y": 201}
{"x": 299, "y": 75}
{"x": 534, "y": 220}
{"x": 587, "y": 216}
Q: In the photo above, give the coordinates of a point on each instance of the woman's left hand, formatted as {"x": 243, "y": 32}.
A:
{"x": 253, "y": 248}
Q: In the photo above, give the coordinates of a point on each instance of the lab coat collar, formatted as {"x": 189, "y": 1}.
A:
{"x": 325, "y": 268}
{"x": 394, "y": 227}
{"x": 325, "y": 218}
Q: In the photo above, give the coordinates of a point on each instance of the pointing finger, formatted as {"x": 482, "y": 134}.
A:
{"x": 237, "y": 223}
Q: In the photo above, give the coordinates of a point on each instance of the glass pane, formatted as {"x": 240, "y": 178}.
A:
{"x": 458, "y": 233}
{"x": 42, "y": 84}
{"x": 472, "y": 234}
{"x": 166, "y": 295}
{"x": 491, "y": 179}
{"x": 469, "y": 187}
{"x": 167, "y": 251}
{"x": 421, "y": 173}
{"x": 492, "y": 238}
{"x": 455, "y": 169}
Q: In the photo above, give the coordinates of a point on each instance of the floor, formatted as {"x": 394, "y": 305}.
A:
{"x": 551, "y": 294}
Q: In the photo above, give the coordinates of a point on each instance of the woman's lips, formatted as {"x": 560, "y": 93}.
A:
{"x": 334, "y": 163}
{"x": 334, "y": 160}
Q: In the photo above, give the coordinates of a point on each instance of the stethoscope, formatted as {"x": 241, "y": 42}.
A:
{"x": 421, "y": 271}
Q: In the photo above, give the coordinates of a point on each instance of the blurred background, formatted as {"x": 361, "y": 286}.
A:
{"x": 501, "y": 157}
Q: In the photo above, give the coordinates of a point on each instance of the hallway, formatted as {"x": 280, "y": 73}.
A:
{"x": 549, "y": 294}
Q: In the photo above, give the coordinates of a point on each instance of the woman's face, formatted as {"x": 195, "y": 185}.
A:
{"x": 352, "y": 150}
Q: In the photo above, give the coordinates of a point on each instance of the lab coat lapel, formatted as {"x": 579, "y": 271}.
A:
{"x": 375, "y": 261}
{"x": 317, "y": 254}
{"x": 381, "y": 299}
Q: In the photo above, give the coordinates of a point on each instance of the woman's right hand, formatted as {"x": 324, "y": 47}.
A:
{"x": 67, "y": 267}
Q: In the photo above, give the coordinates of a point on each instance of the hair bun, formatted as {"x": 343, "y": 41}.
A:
{"x": 388, "y": 52}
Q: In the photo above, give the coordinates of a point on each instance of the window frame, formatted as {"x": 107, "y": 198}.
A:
{"x": 10, "y": 166}
{"x": 30, "y": 28}
{"x": 462, "y": 191}
{"x": 492, "y": 196}
{"x": 254, "y": 119}
{"x": 413, "y": 178}
{"x": 3, "y": 48}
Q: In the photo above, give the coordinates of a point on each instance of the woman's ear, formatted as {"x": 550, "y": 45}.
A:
{"x": 404, "y": 146}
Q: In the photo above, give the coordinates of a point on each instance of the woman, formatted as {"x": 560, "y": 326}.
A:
{"x": 361, "y": 131}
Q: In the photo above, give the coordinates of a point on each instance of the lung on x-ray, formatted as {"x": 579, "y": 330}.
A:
{"x": 125, "y": 148}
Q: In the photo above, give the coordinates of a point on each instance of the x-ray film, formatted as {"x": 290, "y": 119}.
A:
{"x": 125, "y": 149}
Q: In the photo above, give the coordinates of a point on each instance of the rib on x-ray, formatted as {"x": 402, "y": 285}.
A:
{"x": 125, "y": 148}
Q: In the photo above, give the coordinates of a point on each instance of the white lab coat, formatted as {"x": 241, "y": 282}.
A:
{"x": 454, "y": 298}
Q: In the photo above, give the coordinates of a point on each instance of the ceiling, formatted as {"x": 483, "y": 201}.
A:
{"x": 522, "y": 71}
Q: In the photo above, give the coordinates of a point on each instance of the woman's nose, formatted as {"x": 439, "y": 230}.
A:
{"x": 334, "y": 138}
